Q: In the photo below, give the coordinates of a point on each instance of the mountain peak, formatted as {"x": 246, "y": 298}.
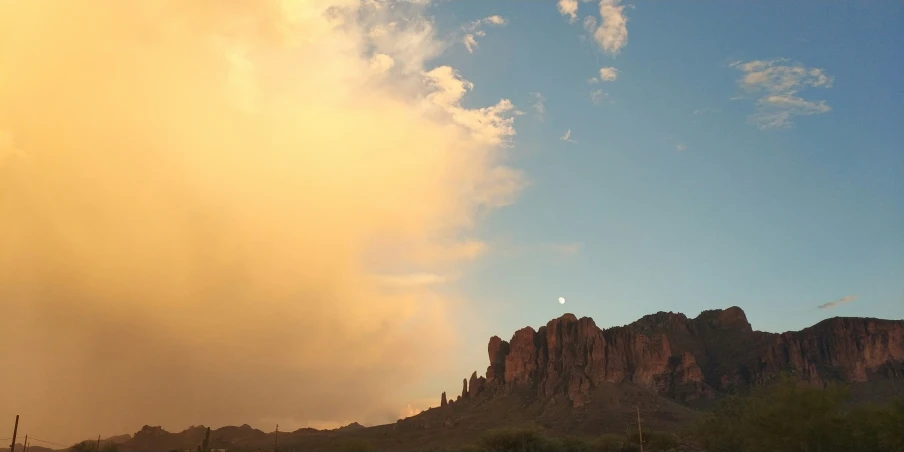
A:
{"x": 683, "y": 359}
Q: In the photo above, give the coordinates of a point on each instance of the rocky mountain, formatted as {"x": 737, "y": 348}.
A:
{"x": 690, "y": 361}
{"x": 572, "y": 377}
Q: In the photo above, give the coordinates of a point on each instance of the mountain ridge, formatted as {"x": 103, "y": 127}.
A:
{"x": 685, "y": 359}
{"x": 572, "y": 377}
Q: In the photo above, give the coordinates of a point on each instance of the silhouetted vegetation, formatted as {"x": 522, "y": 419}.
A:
{"x": 535, "y": 441}
{"x": 790, "y": 417}
{"x": 91, "y": 446}
{"x": 356, "y": 445}
{"x": 511, "y": 440}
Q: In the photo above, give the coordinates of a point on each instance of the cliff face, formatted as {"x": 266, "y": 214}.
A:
{"x": 686, "y": 359}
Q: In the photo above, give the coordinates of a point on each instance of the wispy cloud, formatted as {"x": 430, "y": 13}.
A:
{"x": 539, "y": 105}
{"x": 558, "y": 250}
{"x": 489, "y": 20}
{"x": 836, "y": 303}
{"x": 597, "y": 96}
{"x": 415, "y": 279}
{"x": 563, "y": 249}
{"x": 607, "y": 74}
{"x": 470, "y": 40}
{"x": 776, "y": 86}
{"x": 680, "y": 147}
{"x": 706, "y": 111}
{"x": 567, "y": 137}
{"x": 568, "y": 8}
{"x": 474, "y": 29}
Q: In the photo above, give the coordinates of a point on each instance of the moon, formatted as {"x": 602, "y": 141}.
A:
{"x": 561, "y": 300}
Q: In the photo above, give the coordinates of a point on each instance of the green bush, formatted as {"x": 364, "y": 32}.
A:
{"x": 534, "y": 441}
{"x": 513, "y": 440}
{"x": 356, "y": 445}
{"x": 468, "y": 448}
{"x": 615, "y": 443}
{"x": 654, "y": 441}
{"x": 790, "y": 417}
{"x": 572, "y": 444}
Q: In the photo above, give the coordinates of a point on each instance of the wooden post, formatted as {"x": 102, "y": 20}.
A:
{"x": 12, "y": 447}
{"x": 25, "y": 444}
{"x": 97, "y": 447}
{"x": 276, "y": 440}
{"x": 639, "y": 431}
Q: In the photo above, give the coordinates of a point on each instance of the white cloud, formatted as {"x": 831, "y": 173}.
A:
{"x": 597, "y": 96}
{"x": 491, "y": 125}
{"x": 569, "y": 8}
{"x": 539, "y": 105}
{"x": 612, "y": 33}
{"x": 680, "y": 147}
{"x": 381, "y": 63}
{"x": 776, "y": 86}
{"x": 567, "y": 137}
{"x": 474, "y": 29}
{"x": 607, "y": 74}
{"x": 495, "y": 20}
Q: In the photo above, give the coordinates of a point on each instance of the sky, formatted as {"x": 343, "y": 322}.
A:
{"x": 316, "y": 212}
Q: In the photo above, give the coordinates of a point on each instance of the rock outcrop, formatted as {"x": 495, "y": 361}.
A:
{"x": 686, "y": 359}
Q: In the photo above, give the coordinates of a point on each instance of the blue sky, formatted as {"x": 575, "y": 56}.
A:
{"x": 671, "y": 197}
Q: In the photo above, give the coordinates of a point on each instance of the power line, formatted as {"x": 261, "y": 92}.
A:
{"x": 45, "y": 441}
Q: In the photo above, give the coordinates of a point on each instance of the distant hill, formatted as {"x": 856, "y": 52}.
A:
{"x": 31, "y": 448}
{"x": 571, "y": 377}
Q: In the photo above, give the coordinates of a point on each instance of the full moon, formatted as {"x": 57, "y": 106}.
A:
{"x": 561, "y": 300}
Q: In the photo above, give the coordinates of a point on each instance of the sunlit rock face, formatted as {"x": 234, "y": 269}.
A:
{"x": 686, "y": 359}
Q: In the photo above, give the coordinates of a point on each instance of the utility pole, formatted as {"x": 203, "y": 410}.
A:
{"x": 25, "y": 444}
{"x": 97, "y": 447}
{"x": 639, "y": 432}
{"x": 276, "y": 440}
{"x": 12, "y": 447}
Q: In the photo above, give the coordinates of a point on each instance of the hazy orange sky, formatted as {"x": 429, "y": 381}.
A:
{"x": 231, "y": 212}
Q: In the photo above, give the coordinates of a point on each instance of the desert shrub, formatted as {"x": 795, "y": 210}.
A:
{"x": 91, "y": 446}
{"x": 876, "y": 428}
{"x": 654, "y": 441}
{"x": 515, "y": 440}
{"x": 789, "y": 417}
{"x": 355, "y": 445}
{"x": 468, "y": 448}
{"x": 615, "y": 443}
{"x": 573, "y": 444}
